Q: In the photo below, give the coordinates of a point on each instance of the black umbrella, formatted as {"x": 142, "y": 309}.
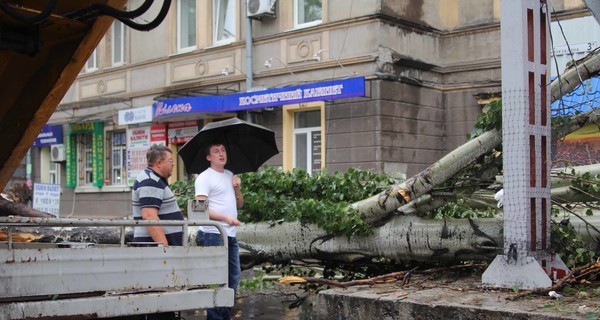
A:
{"x": 248, "y": 146}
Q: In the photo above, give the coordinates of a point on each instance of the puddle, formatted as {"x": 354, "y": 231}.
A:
{"x": 265, "y": 305}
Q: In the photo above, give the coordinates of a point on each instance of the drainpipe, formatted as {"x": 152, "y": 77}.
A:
{"x": 249, "y": 79}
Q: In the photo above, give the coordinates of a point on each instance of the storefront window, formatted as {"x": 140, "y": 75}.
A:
{"x": 84, "y": 148}
{"x": 86, "y": 153}
{"x": 118, "y": 148}
{"x": 54, "y": 173}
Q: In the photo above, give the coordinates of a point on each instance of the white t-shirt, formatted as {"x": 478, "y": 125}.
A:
{"x": 218, "y": 187}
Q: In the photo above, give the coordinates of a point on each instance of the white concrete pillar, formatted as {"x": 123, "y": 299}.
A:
{"x": 526, "y": 137}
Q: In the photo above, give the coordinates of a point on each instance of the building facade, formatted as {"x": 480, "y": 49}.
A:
{"x": 428, "y": 66}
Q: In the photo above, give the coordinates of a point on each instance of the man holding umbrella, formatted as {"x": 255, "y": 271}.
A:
{"x": 218, "y": 151}
{"x": 222, "y": 190}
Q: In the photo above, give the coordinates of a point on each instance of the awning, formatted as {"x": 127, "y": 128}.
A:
{"x": 320, "y": 91}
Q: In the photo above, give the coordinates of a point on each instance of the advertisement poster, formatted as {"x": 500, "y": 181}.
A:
{"x": 579, "y": 148}
{"x": 138, "y": 143}
{"x": 46, "y": 198}
{"x": 182, "y": 131}
{"x": 158, "y": 135}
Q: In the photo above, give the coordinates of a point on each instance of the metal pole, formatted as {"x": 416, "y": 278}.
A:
{"x": 249, "y": 77}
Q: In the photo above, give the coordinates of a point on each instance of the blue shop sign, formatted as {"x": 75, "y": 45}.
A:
{"x": 321, "y": 91}
{"x": 50, "y": 134}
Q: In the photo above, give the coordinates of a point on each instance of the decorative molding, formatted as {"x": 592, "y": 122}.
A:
{"x": 200, "y": 68}
{"x": 103, "y": 86}
{"x": 303, "y": 49}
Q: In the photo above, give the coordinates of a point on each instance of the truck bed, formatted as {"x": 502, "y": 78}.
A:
{"x": 87, "y": 280}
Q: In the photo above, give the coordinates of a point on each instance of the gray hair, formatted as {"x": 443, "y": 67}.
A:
{"x": 156, "y": 152}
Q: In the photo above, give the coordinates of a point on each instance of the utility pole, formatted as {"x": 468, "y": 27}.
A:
{"x": 526, "y": 135}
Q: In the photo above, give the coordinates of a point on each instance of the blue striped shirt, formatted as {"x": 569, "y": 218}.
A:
{"x": 150, "y": 190}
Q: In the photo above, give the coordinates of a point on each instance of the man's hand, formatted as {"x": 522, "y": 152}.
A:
{"x": 232, "y": 221}
{"x": 237, "y": 182}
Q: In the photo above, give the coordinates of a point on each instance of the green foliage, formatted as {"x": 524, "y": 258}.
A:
{"x": 257, "y": 282}
{"x": 321, "y": 198}
{"x": 570, "y": 245}
{"x": 461, "y": 210}
{"x": 184, "y": 191}
{"x": 490, "y": 118}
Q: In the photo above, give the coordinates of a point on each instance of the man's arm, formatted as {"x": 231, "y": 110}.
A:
{"x": 156, "y": 232}
{"x": 213, "y": 215}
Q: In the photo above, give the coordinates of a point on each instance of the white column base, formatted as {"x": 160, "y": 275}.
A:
{"x": 524, "y": 274}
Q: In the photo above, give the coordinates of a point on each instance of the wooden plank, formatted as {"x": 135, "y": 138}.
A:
{"x": 38, "y": 84}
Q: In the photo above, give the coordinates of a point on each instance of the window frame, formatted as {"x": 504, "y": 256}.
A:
{"x": 54, "y": 172}
{"x": 85, "y": 156}
{"x": 122, "y": 151}
{"x": 179, "y": 28}
{"x": 309, "y": 133}
{"x": 297, "y": 24}
{"x": 94, "y": 62}
{"x": 289, "y": 151}
{"x": 122, "y": 41}
{"x": 218, "y": 21}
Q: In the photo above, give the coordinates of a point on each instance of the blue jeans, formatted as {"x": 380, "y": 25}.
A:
{"x": 214, "y": 239}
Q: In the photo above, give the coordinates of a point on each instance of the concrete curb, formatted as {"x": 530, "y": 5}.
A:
{"x": 393, "y": 302}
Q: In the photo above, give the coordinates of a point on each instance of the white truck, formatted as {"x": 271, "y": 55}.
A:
{"x": 87, "y": 280}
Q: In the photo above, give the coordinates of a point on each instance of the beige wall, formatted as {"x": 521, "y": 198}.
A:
{"x": 425, "y": 62}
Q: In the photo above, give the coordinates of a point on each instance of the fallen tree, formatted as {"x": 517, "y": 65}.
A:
{"x": 399, "y": 235}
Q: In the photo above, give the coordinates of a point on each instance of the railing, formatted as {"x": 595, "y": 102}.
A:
{"x": 102, "y": 280}
{"x": 10, "y": 223}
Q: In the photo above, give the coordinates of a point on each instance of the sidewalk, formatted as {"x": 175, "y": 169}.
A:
{"x": 444, "y": 298}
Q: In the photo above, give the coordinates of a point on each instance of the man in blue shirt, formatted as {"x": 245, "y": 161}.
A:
{"x": 152, "y": 199}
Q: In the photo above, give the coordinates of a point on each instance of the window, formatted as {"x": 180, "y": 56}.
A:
{"x": 307, "y": 140}
{"x": 54, "y": 173}
{"x": 118, "y": 43}
{"x": 118, "y": 168}
{"x": 49, "y": 170}
{"x": 224, "y": 21}
{"x": 92, "y": 63}
{"x": 307, "y": 13}
{"x": 186, "y": 25}
{"x": 85, "y": 173}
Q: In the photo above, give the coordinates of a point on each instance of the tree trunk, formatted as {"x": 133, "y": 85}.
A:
{"x": 379, "y": 206}
{"x": 8, "y": 208}
{"x": 404, "y": 238}
{"x": 97, "y": 235}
